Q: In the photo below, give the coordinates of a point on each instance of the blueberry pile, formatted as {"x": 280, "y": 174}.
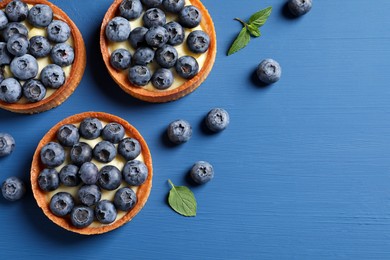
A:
{"x": 22, "y": 53}
{"x": 78, "y": 170}
{"x": 155, "y": 41}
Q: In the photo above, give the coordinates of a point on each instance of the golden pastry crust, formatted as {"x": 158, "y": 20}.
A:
{"x": 166, "y": 95}
{"x": 78, "y": 67}
{"x": 41, "y": 196}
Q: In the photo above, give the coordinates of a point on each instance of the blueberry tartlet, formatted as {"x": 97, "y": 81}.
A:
{"x": 158, "y": 50}
{"x": 42, "y": 56}
{"x": 91, "y": 173}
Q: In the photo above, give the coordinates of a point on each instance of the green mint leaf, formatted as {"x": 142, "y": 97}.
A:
{"x": 182, "y": 200}
{"x": 253, "y": 30}
{"x": 240, "y": 42}
{"x": 259, "y": 18}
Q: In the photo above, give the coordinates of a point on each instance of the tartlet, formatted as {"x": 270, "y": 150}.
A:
{"x": 76, "y": 73}
{"x": 171, "y": 94}
{"x": 43, "y": 198}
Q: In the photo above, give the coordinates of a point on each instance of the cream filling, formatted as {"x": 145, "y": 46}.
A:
{"x": 182, "y": 50}
{"x": 118, "y": 162}
{"x": 42, "y": 62}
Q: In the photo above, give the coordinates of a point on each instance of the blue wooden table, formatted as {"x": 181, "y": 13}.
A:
{"x": 302, "y": 172}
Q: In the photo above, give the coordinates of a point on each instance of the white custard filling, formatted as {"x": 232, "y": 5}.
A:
{"x": 182, "y": 50}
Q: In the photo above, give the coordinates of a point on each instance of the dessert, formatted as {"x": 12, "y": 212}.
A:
{"x": 172, "y": 45}
{"x": 91, "y": 173}
{"x": 42, "y": 56}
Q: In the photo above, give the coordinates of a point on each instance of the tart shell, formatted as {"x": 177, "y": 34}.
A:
{"x": 72, "y": 81}
{"x": 158, "y": 95}
{"x": 143, "y": 190}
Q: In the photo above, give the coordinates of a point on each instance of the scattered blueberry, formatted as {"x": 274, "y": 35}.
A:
{"x": 175, "y": 32}
{"x": 137, "y": 37}
{"x": 40, "y": 15}
{"x": 151, "y": 3}
{"x": 173, "y": 6}
{"x": 135, "y": 172}
{"x": 110, "y": 177}
{"x": 58, "y": 31}
{"x": 105, "y": 212}
{"x": 187, "y": 67}
{"x": 10, "y": 90}
{"x": 217, "y": 119}
{"x": 62, "y": 54}
{"x": 299, "y": 7}
{"x": 69, "y": 175}
{"x": 24, "y": 67}
{"x": 120, "y": 59}
{"x": 154, "y": 17}
{"x": 34, "y": 90}
{"x": 16, "y": 11}
{"x": 89, "y": 173}
{"x": 125, "y": 199}
{"x": 3, "y": 20}
{"x": 48, "y": 180}
{"x": 13, "y": 189}
{"x": 113, "y": 132}
{"x": 14, "y": 28}
{"x": 162, "y": 78}
{"x": 52, "y": 154}
{"x": 166, "y": 56}
{"x": 81, "y": 216}
{"x": 53, "y": 76}
{"x": 202, "y": 172}
{"x": 143, "y": 56}
{"x": 7, "y": 144}
{"x": 39, "y": 46}
{"x": 198, "y": 41}
{"x": 90, "y": 128}
{"x": 139, "y": 75}
{"x": 130, "y": 9}
{"x": 68, "y": 135}
{"x": 190, "y": 16}
{"x": 269, "y": 71}
{"x": 129, "y": 148}
{"x": 118, "y": 29}
{"x": 104, "y": 152}
{"x": 156, "y": 36}
{"x": 179, "y": 131}
{"x": 61, "y": 204}
{"x": 80, "y": 153}
{"x": 89, "y": 194}
{"x": 5, "y": 56}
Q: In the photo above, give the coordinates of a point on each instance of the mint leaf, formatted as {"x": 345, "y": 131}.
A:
{"x": 259, "y": 18}
{"x": 240, "y": 42}
{"x": 182, "y": 200}
{"x": 253, "y": 30}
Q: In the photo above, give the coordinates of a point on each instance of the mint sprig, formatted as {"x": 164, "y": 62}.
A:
{"x": 182, "y": 200}
{"x": 251, "y": 28}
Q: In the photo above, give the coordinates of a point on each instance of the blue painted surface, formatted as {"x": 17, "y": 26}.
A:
{"x": 302, "y": 172}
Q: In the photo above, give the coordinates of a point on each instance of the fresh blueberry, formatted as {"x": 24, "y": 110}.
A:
{"x": 156, "y": 36}
{"x": 143, "y": 56}
{"x": 81, "y": 216}
{"x": 58, "y": 31}
{"x": 48, "y": 180}
{"x": 16, "y": 11}
{"x": 179, "y": 131}
{"x": 299, "y": 7}
{"x": 113, "y": 132}
{"x": 130, "y": 9}
{"x": 24, "y": 67}
{"x": 34, "y": 90}
{"x": 39, "y": 46}
{"x": 90, "y": 128}
{"x": 40, "y": 15}
{"x": 68, "y": 135}
{"x": 162, "y": 78}
{"x": 151, "y": 3}
{"x": 14, "y": 28}
{"x": 175, "y": 32}
{"x": 104, "y": 152}
{"x": 53, "y": 76}
{"x": 80, "y": 153}
{"x": 154, "y": 17}
{"x": 269, "y": 71}
{"x": 89, "y": 194}
{"x": 139, "y": 75}
{"x": 166, "y": 56}
{"x": 10, "y": 90}
{"x": 18, "y": 45}
{"x": 173, "y": 6}
{"x": 7, "y": 144}
{"x": 120, "y": 59}
{"x": 69, "y": 175}
{"x": 118, "y": 29}
{"x": 110, "y": 177}
{"x": 89, "y": 173}
{"x": 61, "y": 204}
{"x": 3, "y": 20}
{"x": 190, "y": 16}
{"x": 105, "y": 212}
{"x": 137, "y": 37}
{"x": 5, "y": 56}
{"x": 13, "y": 189}
{"x": 135, "y": 172}
{"x": 217, "y": 119}
{"x": 187, "y": 67}
{"x": 125, "y": 199}
{"x": 62, "y": 54}
{"x": 129, "y": 148}
{"x": 198, "y": 41}
{"x": 52, "y": 154}
{"x": 202, "y": 172}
